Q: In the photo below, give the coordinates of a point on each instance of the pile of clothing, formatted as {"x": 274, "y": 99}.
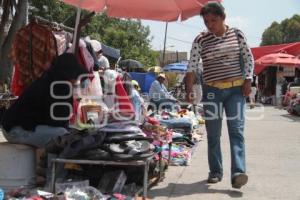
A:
{"x": 119, "y": 141}
{"x": 186, "y": 129}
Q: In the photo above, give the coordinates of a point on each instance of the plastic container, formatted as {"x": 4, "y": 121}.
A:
{"x": 17, "y": 169}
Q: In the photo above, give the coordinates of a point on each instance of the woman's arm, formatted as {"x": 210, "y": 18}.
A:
{"x": 192, "y": 67}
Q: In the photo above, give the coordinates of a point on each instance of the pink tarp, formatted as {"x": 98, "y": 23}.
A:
{"x": 161, "y": 10}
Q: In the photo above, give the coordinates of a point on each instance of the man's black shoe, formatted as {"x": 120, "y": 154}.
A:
{"x": 239, "y": 180}
{"x": 213, "y": 179}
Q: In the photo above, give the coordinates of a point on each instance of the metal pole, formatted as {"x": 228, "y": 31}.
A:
{"x": 165, "y": 41}
{"x": 145, "y": 181}
{"x": 76, "y": 29}
{"x": 53, "y": 177}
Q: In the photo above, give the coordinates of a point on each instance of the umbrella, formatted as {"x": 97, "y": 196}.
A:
{"x": 130, "y": 63}
{"x": 278, "y": 59}
{"x": 110, "y": 51}
{"x": 155, "y": 69}
{"x": 282, "y": 59}
{"x": 161, "y": 10}
{"x": 175, "y": 67}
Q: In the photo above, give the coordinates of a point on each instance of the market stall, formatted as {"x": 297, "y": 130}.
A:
{"x": 102, "y": 130}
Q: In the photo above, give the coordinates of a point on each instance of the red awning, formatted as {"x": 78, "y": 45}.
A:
{"x": 258, "y": 52}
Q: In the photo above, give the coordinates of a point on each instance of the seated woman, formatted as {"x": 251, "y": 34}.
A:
{"x": 159, "y": 95}
{"x": 43, "y": 110}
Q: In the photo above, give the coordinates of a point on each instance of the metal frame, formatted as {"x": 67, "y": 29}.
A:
{"x": 144, "y": 163}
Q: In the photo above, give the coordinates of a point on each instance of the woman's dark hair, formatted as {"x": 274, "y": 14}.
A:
{"x": 213, "y": 7}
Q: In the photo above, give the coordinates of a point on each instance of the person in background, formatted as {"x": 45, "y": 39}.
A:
{"x": 159, "y": 94}
{"x": 102, "y": 60}
{"x": 284, "y": 86}
{"x": 226, "y": 84}
{"x": 137, "y": 101}
{"x": 252, "y": 94}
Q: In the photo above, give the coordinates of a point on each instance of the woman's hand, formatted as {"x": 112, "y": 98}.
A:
{"x": 246, "y": 87}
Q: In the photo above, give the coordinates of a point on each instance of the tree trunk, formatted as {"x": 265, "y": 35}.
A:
{"x": 17, "y": 22}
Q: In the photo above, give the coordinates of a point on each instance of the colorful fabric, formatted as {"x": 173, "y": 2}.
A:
{"x": 122, "y": 99}
{"x": 33, "y": 61}
{"x": 61, "y": 41}
{"x": 180, "y": 154}
{"x": 16, "y": 86}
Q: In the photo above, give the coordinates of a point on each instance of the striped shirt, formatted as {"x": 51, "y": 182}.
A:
{"x": 221, "y": 56}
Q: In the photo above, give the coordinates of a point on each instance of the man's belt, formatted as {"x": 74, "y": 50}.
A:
{"x": 225, "y": 84}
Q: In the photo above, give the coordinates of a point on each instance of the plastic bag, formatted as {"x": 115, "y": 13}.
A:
{"x": 84, "y": 193}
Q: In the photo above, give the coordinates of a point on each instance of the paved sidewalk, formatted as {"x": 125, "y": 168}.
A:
{"x": 273, "y": 163}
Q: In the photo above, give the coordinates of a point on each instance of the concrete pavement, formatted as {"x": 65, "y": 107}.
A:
{"x": 273, "y": 163}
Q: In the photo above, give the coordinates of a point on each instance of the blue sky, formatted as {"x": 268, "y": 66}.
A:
{"x": 251, "y": 16}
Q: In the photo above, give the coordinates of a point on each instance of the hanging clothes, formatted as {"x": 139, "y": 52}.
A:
{"x": 115, "y": 95}
{"x": 61, "y": 41}
{"x": 16, "y": 87}
{"x": 33, "y": 50}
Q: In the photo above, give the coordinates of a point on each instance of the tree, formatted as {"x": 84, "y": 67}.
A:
{"x": 286, "y": 32}
{"x": 14, "y": 15}
{"x": 130, "y": 36}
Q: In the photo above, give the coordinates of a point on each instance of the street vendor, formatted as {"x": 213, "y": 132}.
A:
{"x": 43, "y": 110}
{"x": 159, "y": 94}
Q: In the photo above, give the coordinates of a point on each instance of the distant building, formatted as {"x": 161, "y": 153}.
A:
{"x": 172, "y": 57}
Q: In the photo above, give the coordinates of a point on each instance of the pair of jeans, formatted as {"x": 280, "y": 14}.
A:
{"x": 39, "y": 137}
{"x": 215, "y": 101}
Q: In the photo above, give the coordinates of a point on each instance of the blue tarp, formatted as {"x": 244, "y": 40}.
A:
{"x": 175, "y": 67}
{"x": 144, "y": 79}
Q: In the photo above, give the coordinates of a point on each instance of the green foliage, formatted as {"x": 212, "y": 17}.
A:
{"x": 286, "y": 32}
{"x": 55, "y": 11}
{"x": 130, "y": 36}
